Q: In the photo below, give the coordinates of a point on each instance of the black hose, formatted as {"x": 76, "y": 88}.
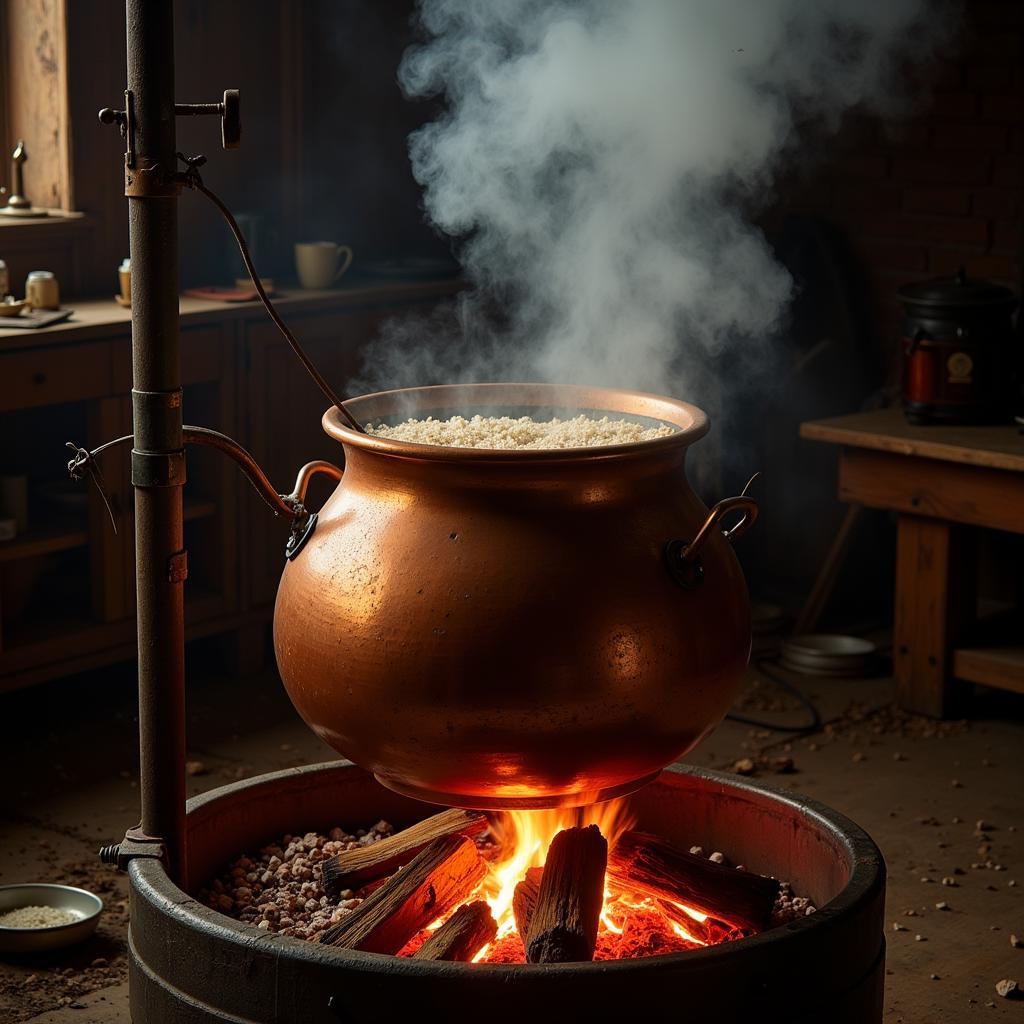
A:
{"x": 784, "y": 684}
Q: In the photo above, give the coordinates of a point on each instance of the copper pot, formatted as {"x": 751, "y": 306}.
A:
{"x": 514, "y": 628}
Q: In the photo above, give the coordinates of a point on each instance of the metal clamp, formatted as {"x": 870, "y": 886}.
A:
{"x": 304, "y": 522}
{"x": 135, "y": 844}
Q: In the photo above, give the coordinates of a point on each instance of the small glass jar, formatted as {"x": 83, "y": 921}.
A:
{"x": 42, "y": 290}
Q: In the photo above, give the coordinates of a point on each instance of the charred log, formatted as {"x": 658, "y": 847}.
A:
{"x": 656, "y": 868}
{"x": 462, "y": 936}
{"x": 352, "y": 869}
{"x": 439, "y": 877}
{"x": 563, "y": 926}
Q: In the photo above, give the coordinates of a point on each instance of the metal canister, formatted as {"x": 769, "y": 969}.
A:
{"x": 958, "y": 350}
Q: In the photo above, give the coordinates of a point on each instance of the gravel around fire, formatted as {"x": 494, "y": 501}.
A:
{"x": 503, "y": 432}
{"x": 279, "y": 889}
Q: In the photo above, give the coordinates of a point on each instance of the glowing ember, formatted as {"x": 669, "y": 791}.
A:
{"x": 632, "y": 923}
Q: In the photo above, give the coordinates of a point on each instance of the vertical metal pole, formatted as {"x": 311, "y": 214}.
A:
{"x": 158, "y": 466}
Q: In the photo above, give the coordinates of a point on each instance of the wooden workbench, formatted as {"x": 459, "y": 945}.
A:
{"x": 944, "y": 482}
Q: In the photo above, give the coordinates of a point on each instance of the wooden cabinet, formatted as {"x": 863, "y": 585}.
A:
{"x": 67, "y": 580}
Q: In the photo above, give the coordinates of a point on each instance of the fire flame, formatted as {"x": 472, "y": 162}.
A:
{"x": 523, "y": 838}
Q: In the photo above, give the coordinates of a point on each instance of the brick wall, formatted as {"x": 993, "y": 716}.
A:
{"x": 942, "y": 188}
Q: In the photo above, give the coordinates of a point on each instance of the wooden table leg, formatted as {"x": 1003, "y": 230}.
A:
{"x": 935, "y": 594}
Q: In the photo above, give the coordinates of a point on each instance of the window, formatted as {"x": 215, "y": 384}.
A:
{"x": 34, "y": 98}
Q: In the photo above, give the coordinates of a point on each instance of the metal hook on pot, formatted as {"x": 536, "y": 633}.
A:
{"x": 683, "y": 557}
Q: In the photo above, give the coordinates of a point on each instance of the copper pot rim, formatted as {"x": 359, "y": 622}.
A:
{"x": 690, "y": 421}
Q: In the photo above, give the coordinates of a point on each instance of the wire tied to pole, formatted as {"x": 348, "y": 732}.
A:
{"x": 192, "y": 179}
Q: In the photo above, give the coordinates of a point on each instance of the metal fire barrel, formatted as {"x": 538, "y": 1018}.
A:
{"x": 192, "y": 965}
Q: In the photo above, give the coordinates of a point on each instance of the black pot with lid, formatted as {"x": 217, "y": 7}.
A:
{"x": 960, "y": 357}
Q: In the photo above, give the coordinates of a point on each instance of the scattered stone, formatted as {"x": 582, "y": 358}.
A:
{"x": 858, "y": 757}
{"x": 920, "y": 938}
{"x": 956, "y": 783}
{"x": 1008, "y": 988}
{"x": 1016, "y": 942}
{"x": 934, "y": 977}
{"x": 950, "y": 881}
{"x": 910, "y": 913}
{"x": 194, "y": 768}
{"x": 942, "y": 905}
{"x": 782, "y": 765}
{"x": 744, "y": 766}
{"x": 984, "y": 826}
{"x": 897, "y": 927}
{"x": 956, "y": 820}
{"x": 717, "y": 858}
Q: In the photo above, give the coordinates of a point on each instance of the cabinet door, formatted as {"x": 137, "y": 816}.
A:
{"x": 283, "y": 412}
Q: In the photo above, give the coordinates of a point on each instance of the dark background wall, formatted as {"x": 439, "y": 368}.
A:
{"x": 324, "y": 148}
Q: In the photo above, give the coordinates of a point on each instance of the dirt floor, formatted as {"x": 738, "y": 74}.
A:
{"x": 944, "y": 801}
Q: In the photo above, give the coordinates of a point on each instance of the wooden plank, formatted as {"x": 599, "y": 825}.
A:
{"x": 886, "y": 430}
{"x": 1001, "y": 667}
{"x": 975, "y": 495}
{"x": 932, "y": 600}
{"x": 43, "y": 540}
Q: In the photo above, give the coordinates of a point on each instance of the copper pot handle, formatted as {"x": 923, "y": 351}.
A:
{"x": 308, "y": 471}
{"x": 715, "y": 515}
{"x": 304, "y": 522}
{"x": 683, "y": 557}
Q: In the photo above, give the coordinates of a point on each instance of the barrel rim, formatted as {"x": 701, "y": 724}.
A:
{"x": 864, "y": 859}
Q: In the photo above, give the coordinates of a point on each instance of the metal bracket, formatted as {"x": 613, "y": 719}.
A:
{"x": 149, "y": 180}
{"x": 177, "y": 567}
{"x": 158, "y": 469}
{"x": 229, "y": 110}
{"x": 687, "y": 573}
{"x": 302, "y": 530}
{"x": 135, "y": 844}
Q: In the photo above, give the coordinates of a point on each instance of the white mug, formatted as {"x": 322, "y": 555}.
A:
{"x": 317, "y": 263}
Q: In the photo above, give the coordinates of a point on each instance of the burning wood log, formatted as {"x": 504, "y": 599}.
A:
{"x": 652, "y": 866}
{"x": 563, "y": 926}
{"x": 441, "y": 875}
{"x": 462, "y": 936}
{"x": 524, "y": 901}
{"x": 352, "y": 869}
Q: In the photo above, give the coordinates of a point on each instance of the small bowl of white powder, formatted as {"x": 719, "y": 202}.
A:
{"x": 34, "y": 918}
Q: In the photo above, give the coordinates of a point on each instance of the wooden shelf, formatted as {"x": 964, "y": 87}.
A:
{"x": 43, "y": 540}
{"x": 1001, "y": 667}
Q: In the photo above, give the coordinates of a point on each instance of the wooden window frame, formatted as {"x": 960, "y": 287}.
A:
{"x": 34, "y": 86}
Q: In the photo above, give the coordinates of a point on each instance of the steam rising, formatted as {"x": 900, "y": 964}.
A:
{"x": 596, "y": 162}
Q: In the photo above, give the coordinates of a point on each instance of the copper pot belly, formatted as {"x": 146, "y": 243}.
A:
{"x": 513, "y": 628}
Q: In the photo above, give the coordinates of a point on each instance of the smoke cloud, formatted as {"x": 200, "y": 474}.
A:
{"x": 597, "y": 162}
